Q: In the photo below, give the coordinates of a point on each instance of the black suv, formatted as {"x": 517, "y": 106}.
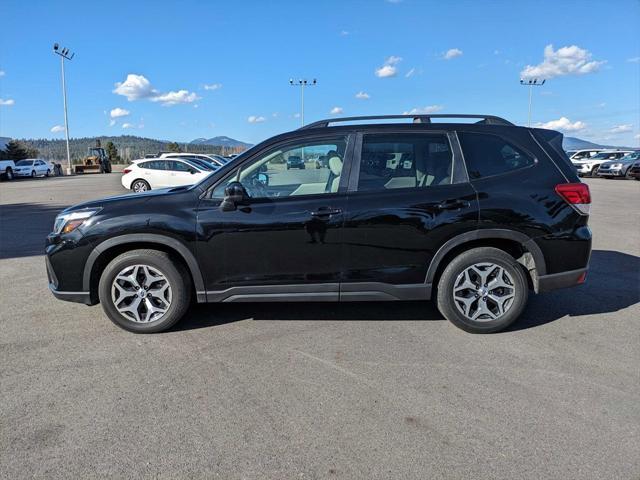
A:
{"x": 473, "y": 214}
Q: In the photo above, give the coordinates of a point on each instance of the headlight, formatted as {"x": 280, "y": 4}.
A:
{"x": 615, "y": 165}
{"x": 68, "y": 222}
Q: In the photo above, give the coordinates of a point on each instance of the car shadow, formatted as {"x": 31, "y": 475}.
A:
{"x": 613, "y": 284}
{"x": 24, "y": 227}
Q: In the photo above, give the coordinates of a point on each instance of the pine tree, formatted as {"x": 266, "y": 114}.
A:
{"x": 173, "y": 147}
{"x": 18, "y": 151}
{"x": 112, "y": 152}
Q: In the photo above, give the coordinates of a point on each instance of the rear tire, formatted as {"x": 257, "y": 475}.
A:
{"x": 594, "y": 170}
{"x": 503, "y": 303}
{"x": 158, "y": 272}
{"x": 48, "y": 173}
{"x": 140, "y": 185}
{"x": 8, "y": 173}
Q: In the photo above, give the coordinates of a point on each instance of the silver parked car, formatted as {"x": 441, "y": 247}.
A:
{"x": 619, "y": 167}
{"x": 591, "y": 165}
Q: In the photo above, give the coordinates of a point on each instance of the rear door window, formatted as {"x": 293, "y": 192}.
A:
{"x": 400, "y": 160}
{"x": 487, "y": 155}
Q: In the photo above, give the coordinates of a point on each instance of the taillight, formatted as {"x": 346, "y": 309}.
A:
{"x": 126, "y": 170}
{"x": 577, "y": 195}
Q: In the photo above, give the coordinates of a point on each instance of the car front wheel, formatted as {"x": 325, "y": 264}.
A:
{"x": 482, "y": 290}
{"x": 8, "y": 173}
{"x": 144, "y": 291}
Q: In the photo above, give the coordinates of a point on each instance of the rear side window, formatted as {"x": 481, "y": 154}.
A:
{"x": 487, "y": 155}
{"x": 390, "y": 161}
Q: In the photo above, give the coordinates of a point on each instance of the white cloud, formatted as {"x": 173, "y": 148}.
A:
{"x": 563, "y": 124}
{"x": 336, "y": 111}
{"x": 57, "y": 129}
{"x": 452, "y": 53}
{"x": 344, "y": 33}
{"x": 2, "y": 73}
{"x": 389, "y": 68}
{"x": 622, "y": 128}
{"x": 174, "y": 98}
{"x": 363, "y": 95}
{"x": 496, "y": 52}
{"x": 118, "y": 112}
{"x": 410, "y": 73}
{"x": 8, "y": 102}
{"x": 127, "y": 125}
{"x": 424, "y": 110}
{"x": 255, "y": 119}
{"x": 213, "y": 86}
{"x": 296, "y": 115}
{"x": 637, "y": 136}
{"x": 631, "y": 60}
{"x": 571, "y": 60}
{"x": 386, "y": 71}
{"x": 112, "y": 122}
{"x": 135, "y": 87}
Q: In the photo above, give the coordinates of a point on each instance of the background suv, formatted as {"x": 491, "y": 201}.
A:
{"x": 620, "y": 167}
{"x": 590, "y": 166}
{"x": 473, "y": 215}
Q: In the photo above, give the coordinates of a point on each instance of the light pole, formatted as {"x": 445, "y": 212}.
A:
{"x": 531, "y": 83}
{"x": 64, "y": 55}
{"x": 302, "y": 83}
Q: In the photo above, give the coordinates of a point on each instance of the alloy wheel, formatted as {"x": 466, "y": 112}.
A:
{"x": 141, "y": 293}
{"x": 484, "y": 292}
{"x": 140, "y": 187}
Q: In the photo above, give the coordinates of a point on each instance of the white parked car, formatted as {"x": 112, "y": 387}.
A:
{"x": 583, "y": 154}
{"x": 6, "y": 169}
{"x": 32, "y": 167}
{"x": 590, "y": 166}
{"x": 150, "y": 174}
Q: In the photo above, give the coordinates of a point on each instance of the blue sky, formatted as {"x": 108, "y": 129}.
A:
{"x": 152, "y": 60}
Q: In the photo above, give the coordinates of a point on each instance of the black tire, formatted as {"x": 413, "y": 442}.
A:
{"x": 33, "y": 174}
{"x": 448, "y": 306}
{"x": 48, "y": 173}
{"x": 143, "y": 185}
{"x": 627, "y": 174}
{"x": 594, "y": 170}
{"x": 174, "y": 272}
{"x": 8, "y": 173}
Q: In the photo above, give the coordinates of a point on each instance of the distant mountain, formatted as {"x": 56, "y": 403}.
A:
{"x": 220, "y": 142}
{"x": 572, "y": 143}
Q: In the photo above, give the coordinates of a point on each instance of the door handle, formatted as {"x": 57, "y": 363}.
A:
{"x": 326, "y": 212}
{"x": 452, "y": 205}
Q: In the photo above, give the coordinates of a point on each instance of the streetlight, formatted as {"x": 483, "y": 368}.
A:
{"x": 65, "y": 54}
{"x": 531, "y": 83}
{"x": 302, "y": 83}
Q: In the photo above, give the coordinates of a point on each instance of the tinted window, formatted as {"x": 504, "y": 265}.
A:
{"x": 176, "y": 166}
{"x": 267, "y": 175}
{"x": 404, "y": 161}
{"x": 488, "y": 155}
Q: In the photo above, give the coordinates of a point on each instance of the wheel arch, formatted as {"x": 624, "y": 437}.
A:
{"x": 107, "y": 250}
{"x": 517, "y": 244}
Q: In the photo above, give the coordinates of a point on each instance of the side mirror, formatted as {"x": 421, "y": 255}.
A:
{"x": 234, "y": 195}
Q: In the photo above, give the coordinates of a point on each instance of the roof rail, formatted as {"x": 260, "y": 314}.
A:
{"x": 426, "y": 118}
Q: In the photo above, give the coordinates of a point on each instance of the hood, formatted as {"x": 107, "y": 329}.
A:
{"x": 127, "y": 197}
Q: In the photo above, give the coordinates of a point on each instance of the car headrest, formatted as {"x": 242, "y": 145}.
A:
{"x": 335, "y": 164}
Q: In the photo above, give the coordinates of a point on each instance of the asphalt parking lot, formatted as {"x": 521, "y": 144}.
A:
{"x": 252, "y": 391}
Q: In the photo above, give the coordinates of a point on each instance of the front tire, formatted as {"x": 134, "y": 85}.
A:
{"x": 145, "y": 291}
{"x": 140, "y": 186}
{"x": 48, "y": 173}
{"x": 33, "y": 174}
{"x": 594, "y": 170}
{"x": 8, "y": 173}
{"x": 482, "y": 290}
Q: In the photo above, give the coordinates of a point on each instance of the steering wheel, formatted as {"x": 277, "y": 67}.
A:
{"x": 257, "y": 189}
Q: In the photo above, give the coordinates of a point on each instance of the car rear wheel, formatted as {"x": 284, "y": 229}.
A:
{"x": 145, "y": 291}
{"x": 8, "y": 173}
{"x": 140, "y": 186}
{"x": 482, "y": 290}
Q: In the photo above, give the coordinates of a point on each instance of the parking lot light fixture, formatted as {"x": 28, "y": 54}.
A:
{"x": 303, "y": 82}
{"x": 533, "y": 82}
{"x": 64, "y": 54}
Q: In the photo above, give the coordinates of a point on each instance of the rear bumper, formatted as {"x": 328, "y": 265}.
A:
{"x": 555, "y": 281}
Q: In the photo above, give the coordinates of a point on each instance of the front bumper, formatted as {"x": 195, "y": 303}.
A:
{"x": 24, "y": 173}
{"x": 582, "y": 168}
{"x": 610, "y": 173}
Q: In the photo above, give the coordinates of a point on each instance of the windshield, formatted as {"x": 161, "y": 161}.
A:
{"x": 631, "y": 156}
{"x": 24, "y": 163}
